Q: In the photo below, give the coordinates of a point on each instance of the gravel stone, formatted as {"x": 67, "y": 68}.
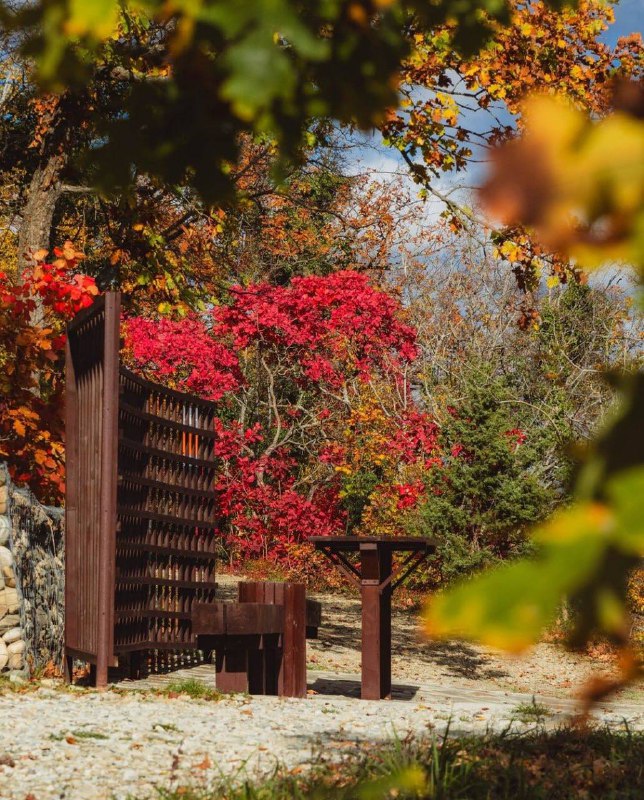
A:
{"x": 87, "y": 745}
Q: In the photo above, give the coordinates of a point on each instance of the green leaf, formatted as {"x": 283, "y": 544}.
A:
{"x": 509, "y": 607}
{"x": 259, "y": 74}
{"x": 95, "y": 18}
{"x": 626, "y": 493}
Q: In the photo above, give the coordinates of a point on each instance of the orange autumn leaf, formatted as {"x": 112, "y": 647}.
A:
{"x": 19, "y": 427}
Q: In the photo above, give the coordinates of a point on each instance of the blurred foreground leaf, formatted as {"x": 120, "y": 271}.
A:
{"x": 407, "y": 782}
{"x": 578, "y": 183}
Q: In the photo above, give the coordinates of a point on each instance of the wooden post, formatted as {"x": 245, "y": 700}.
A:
{"x": 376, "y": 622}
{"x": 71, "y": 506}
{"x": 253, "y": 592}
{"x": 272, "y": 669}
{"x": 272, "y": 653}
{"x": 292, "y": 678}
{"x": 108, "y": 478}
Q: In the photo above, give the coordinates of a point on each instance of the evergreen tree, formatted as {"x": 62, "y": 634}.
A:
{"x": 485, "y": 492}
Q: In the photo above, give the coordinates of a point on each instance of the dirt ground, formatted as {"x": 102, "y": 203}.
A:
{"x": 547, "y": 668}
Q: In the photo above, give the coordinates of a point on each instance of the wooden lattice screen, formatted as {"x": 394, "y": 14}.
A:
{"x": 141, "y": 525}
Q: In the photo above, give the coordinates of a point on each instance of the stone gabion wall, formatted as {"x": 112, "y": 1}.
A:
{"x": 12, "y": 641}
{"x": 32, "y": 597}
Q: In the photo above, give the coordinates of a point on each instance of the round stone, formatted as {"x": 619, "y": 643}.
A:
{"x": 16, "y": 661}
{"x": 9, "y": 600}
{"x": 12, "y": 635}
{"x": 6, "y": 557}
{"x": 16, "y": 647}
{"x": 4, "y": 493}
{"x": 5, "y": 529}
{"x": 8, "y": 621}
{"x": 4, "y": 655}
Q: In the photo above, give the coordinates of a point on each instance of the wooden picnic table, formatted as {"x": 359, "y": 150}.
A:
{"x": 376, "y": 577}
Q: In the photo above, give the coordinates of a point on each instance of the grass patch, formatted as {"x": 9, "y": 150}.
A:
{"x": 73, "y": 736}
{"x": 193, "y": 688}
{"x": 532, "y": 712}
{"x": 9, "y": 686}
{"x": 168, "y": 727}
{"x": 89, "y": 735}
{"x": 561, "y": 765}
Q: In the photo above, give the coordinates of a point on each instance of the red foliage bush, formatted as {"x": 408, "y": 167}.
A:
{"x": 287, "y": 363}
{"x": 34, "y": 308}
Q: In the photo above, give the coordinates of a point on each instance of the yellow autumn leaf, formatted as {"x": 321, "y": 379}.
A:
{"x": 95, "y": 18}
{"x": 566, "y": 178}
{"x": 19, "y": 427}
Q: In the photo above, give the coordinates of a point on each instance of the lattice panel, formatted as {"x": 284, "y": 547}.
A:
{"x": 167, "y": 520}
{"x": 141, "y": 511}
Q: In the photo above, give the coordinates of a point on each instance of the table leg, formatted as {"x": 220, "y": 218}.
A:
{"x": 376, "y": 623}
{"x": 232, "y": 667}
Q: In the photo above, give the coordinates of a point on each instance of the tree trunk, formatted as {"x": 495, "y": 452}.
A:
{"x": 38, "y": 214}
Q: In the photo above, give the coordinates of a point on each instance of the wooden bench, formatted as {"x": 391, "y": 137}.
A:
{"x": 260, "y": 641}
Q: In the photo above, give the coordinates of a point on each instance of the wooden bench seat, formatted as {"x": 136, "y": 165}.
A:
{"x": 260, "y": 641}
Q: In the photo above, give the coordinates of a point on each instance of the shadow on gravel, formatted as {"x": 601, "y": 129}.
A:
{"x": 461, "y": 660}
{"x": 341, "y": 625}
{"x": 344, "y": 687}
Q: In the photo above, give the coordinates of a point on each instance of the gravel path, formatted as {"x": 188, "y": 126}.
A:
{"x": 87, "y": 745}
{"x": 78, "y": 744}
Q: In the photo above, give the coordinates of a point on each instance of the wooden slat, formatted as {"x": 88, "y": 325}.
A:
{"x": 207, "y": 495}
{"x": 208, "y": 618}
{"x": 129, "y": 511}
{"x": 236, "y": 619}
{"x": 140, "y": 501}
{"x": 143, "y": 416}
{"x": 180, "y": 552}
{"x": 72, "y": 562}
{"x": 150, "y": 580}
{"x": 140, "y": 449}
{"x": 84, "y": 392}
{"x": 108, "y": 478}
{"x": 150, "y": 386}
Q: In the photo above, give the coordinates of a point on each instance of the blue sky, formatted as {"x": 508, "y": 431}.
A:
{"x": 629, "y": 18}
{"x": 382, "y": 162}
